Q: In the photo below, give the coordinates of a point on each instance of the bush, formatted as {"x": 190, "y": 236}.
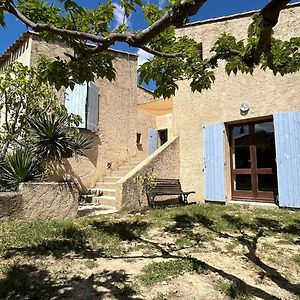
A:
{"x": 19, "y": 166}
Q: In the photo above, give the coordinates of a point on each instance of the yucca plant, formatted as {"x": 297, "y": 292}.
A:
{"x": 81, "y": 143}
{"x": 19, "y": 166}
{"x": 54, "y": 139}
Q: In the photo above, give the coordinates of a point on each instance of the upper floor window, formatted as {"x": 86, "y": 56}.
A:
{"x": 83, "y": 100}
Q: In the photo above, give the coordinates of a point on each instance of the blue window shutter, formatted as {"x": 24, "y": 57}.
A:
{"x": 287, "y": 143}
{"x": 93, "y": 107}
{"x": 214, "y": 158}
{"x": 76, "y": 102}
{"x": 152, "y": 140}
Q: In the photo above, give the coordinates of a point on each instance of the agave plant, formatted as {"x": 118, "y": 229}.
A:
{"x": 81, "y": 143}
{"x": 19, "y": 166}
{"x": 54, "y": 139}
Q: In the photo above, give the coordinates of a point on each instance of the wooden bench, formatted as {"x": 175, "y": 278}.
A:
{"x": 164, "y": 187}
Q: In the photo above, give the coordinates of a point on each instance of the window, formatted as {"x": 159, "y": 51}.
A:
{"x": 138, "y": 138}
{"x": 83, "y": 100}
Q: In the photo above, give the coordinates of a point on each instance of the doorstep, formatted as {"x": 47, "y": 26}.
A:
{"x": 252, "y": 203}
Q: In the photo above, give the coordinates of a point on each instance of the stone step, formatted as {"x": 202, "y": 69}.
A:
{"x": 120, "y": 173}
{"x": 111, "y": 179}
{"x": 87, "y": 198}
{"x": 105, "y": 185}
{"x": 104, "y": 200}
{"x": 108, "y": 192}
{"x": 93, "y": 210}
{"x": 130, "y": 164}
{"x": 125, "y": 168}
{"x": 95, "y": 191}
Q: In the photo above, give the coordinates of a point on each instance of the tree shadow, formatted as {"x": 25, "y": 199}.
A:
{"x": 260, "y": 225}
{"x": 184, "y": 224}
{"x": 202, "y": 267}
{"x": 29, "y": 282}
{"x": 72, "y": 242}
{"x": 126, "y": 231}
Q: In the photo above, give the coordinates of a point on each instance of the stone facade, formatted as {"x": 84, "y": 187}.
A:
{"x": 144, "y": 121}
{"x": 10, "y": 205}
{"x": 40, "y": 201}
{"x": 265, "y": 93}
{"x": 119, "y": 118}
{"x": 163, "y": 163}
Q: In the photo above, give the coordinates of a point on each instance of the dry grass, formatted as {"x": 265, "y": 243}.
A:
{"x": 223, "y": 252}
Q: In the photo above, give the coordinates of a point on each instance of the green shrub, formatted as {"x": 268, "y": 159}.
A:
{"x": 19, "y": 166}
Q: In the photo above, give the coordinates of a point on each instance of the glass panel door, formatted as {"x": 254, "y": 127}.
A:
{"x": 253, "y": 161}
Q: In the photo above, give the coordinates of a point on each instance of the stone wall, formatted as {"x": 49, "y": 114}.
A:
{"x": 10, "y": 205}
{"x": 163, "y": 163}
{"x": 119, "y": 121}
{"x": 40, "y": 201}
{"x": 144, "y": 121}
{"x": 265, "y": 93}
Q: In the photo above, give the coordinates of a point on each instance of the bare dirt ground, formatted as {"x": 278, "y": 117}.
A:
{"x": 180, "y": 253}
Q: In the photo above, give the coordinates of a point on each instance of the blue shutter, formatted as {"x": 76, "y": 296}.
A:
{"x": 287, "y": 143}
{"x": 93, "y": 107}
{"x": 214, "y": 156}
{"x": 152, "y": 140}
{"x": 76, "y": 102}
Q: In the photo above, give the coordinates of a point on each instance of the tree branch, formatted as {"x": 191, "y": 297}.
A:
{"x": 173, "y": 17}
{"x": 270, "y": 14}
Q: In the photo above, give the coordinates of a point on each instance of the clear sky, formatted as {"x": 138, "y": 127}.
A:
{"x": 212, "y": 9}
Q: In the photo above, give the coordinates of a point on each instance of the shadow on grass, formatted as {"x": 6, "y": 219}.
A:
{"x": 259, "y": 225}
{"x": 124, "y": 230}
{"x": 29, "y": 282}
{"x": 75, "y": 242}
{"x": 71, "y": 240}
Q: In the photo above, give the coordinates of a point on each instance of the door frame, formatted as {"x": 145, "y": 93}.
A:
{"x": 254, "y": 194}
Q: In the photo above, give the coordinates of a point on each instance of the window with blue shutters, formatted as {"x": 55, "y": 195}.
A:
{"x": 287, "y": 144}
{"x": 214, "y": 159}
{"x": 83, "y": 100}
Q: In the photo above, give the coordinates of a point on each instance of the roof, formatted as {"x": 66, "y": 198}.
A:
{"x": 145, "y": 89}
{"x": 234, "y": 16}
{"x": 13, "y": 47}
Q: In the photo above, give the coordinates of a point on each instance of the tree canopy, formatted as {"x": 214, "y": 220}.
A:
{"x": 89, "y": 34}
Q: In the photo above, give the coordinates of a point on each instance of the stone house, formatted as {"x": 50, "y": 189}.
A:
{"x": 238, "y": 142}
{"x": 123, "y": 135}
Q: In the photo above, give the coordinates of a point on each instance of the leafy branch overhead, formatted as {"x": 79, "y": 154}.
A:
{"x": 89, "y": 33}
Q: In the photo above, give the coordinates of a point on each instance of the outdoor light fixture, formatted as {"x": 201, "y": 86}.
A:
{"x": 244, "y": 109}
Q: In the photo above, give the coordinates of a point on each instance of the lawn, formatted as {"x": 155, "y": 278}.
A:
{"x": 192, "y": 252}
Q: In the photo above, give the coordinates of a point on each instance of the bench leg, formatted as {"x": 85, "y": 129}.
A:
{"x": 150, "y": 199}
{"x": 184, "y": 199}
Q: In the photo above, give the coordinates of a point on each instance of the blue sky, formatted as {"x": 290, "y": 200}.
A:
{"x": 212, "y": 9}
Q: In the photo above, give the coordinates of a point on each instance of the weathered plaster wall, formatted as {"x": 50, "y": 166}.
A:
{"x": 45, "y": 201}
{"x": 10, "y": 205}
{"x": 265, "y": 93}
{"x": 144, "y": 121}
{"x": 115, "y": 142}
{"x": 163, "y": 163}
{"x": 166, "y": 122}
{"x": 40, "y": 201}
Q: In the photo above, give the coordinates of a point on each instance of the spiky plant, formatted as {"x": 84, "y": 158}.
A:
{"x": 54, "y": 139}
{"x": 19, "y": 166}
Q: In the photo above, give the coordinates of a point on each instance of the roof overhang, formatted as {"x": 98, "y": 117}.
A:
{"x": 159, "y": 107}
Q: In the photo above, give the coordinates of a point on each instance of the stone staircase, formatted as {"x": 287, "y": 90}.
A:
{"x": 103, "y": 195}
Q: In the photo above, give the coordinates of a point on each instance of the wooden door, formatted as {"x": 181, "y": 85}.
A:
{"x": 253, "y": 161}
